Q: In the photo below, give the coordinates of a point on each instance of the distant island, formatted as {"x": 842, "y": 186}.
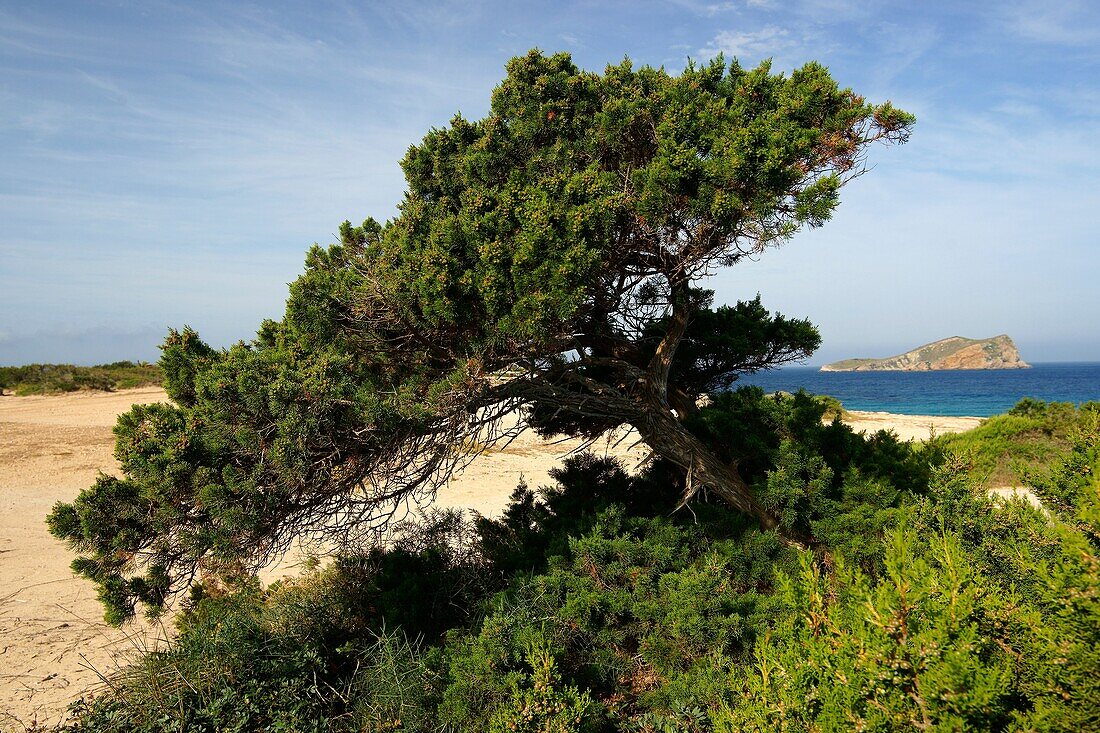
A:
{"x": 955, "y": 352}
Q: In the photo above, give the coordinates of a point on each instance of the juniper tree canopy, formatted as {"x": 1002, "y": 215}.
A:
{"x": 546, "y": 259}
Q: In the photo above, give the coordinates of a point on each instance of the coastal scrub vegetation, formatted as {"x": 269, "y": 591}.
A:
{"x": 767, "y": 570}
{"x": 1006, "y": 448}
{"x": 55, "y": 378}
{"x": 587, "y": 607}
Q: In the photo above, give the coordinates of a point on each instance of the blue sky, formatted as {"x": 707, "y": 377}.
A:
{"x": 168, "y": 164}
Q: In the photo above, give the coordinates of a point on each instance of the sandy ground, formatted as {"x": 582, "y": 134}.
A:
{"x": 53, "y": 645}
{"x": 910, "y": 427}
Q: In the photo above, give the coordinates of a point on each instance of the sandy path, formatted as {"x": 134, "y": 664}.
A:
{"x": 53, "y": 644}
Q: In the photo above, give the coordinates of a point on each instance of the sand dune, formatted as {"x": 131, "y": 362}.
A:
{"x": 53, "y": 644}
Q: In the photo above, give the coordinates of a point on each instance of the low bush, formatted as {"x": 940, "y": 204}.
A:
{"x": 987, "y": 617}
{"x": 56, "y": 378}
{"x": 1005, "y": 448}
{"x": 587, "y": 606}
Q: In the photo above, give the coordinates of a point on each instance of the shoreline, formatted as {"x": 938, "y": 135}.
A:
{"x": 950, "y": 393}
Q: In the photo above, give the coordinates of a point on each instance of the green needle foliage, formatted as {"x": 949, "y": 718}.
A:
{"x": 545, "y": 262}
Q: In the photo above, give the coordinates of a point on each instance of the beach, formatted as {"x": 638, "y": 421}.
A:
{"x": 54, "y": 647}
{"x": 909, "y": 427}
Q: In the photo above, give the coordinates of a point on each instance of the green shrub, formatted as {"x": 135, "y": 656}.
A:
{"x": 228, "y": 670}
{"x": 327, "y": 651}
{"x": 643, "y": 613}
{"x": 396, "y": 686}
{"x": 987, "y": 617}
{"x": 56, "y": 378}
{"x": 540, "y": 703}
{"x": 587, "y": 607}
{"x": 911, "y": 651}
{"x": 1006, "y": 448}
{"x": 751, "y": 428}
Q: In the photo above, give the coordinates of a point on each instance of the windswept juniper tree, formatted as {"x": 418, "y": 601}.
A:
{"x": 545, "y": 262}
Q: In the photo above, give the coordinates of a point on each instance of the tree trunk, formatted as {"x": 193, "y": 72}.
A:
{"x": 672, "y": 441}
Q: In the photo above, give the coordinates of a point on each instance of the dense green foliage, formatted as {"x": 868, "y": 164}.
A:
{"x": 545, "y": 263}
{"x": 934, "y": 608}
{"x": 769, "y": 570}
{"x": 1004, "y": 448}
{"x": 54, "y": 378}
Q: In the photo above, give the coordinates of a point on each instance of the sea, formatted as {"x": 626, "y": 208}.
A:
{"x": 979, "y": 393}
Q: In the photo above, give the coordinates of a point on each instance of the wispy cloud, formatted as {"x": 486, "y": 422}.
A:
{"x": 1065, "y": 23}
{"x": 707, "y": 8}
{"x": 767, "y": 42}
{"x": 20, "y": 37}
{"x": 1017, "y": 108}
{"x": 167, "y": 163}
{"x": 1007, "y": 143}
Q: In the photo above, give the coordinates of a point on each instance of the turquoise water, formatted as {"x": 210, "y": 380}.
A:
{"x": 972, "y": 392}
